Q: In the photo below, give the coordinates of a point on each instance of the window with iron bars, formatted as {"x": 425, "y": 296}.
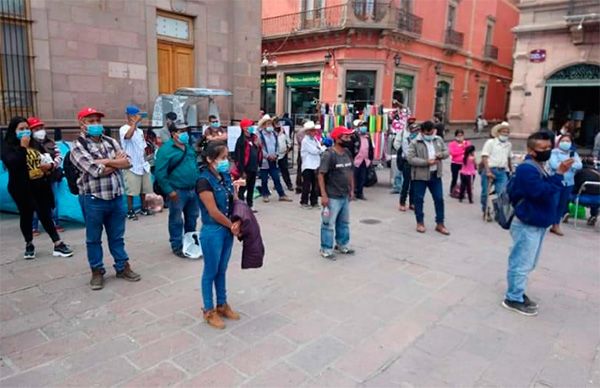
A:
{"x": 17, "y": 95}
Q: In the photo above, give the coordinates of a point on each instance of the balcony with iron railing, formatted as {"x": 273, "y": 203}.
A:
{"x": 353, "y": 14}
{"x": 454, "y": 39}
{"x": 490, "y": 52}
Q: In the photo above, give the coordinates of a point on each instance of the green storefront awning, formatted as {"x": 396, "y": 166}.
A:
{"x": 271, "y": 80}
{"x": 303, "y": 79}
{"x": 403, "y": 81}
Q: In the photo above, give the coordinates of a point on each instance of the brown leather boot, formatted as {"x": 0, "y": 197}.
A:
{"x": 225, "y": 311}
{"x": 97, "y": 281}
{"x": 213, "y": 319}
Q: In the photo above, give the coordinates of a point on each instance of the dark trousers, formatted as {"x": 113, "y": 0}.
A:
{"x": 563, "y": 203}
{"x": 273, "y": 172}
{"x": 407, "y": 186}
{"x": 466, "y": 184}
{"x": 455, "y": 168}
{"x": 39, "y": 199}
{"x": 299, "y": 172}
{"x": 434, "y": 184}
{"x": 360, "y": 177}
{"x": 309, "y": 187}
{"x": 247, "y": 193}
{"x": 285, "y": 171}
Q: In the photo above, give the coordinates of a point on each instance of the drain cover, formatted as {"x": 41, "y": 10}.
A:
{"x": 370, "y": 221}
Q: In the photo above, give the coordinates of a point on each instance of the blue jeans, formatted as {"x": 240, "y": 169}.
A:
{"x": 273, "y": 172}
{"x": 500, "y": 179}
{"x": 398, "y": 181}
{"x": 216, "y": 242}
{"x": 188, "y": 206}
{"x": 35, "y": 224}
{"x": 563, "y": 203}
{"x": 110, "y": 215}
{"x": 338, "y": 222}
{"x": 523, "y": 257}
{"x": 434, "y": 184}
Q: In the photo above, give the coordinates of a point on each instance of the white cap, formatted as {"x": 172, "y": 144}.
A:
{"x": 309, "y": 124}
{"x": 358, "y": 122}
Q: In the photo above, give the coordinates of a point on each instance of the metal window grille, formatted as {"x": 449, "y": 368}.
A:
{"x": 17, "y": 95}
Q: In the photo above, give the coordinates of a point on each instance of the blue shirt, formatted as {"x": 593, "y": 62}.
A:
{"x": 559, "y": 156}
{"x": 222, "y": 189}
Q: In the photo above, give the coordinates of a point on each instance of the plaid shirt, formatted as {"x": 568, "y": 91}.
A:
{"x": 92, "y": 181}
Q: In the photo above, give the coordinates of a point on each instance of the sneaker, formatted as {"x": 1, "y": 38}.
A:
{"x": 128, "y": 274}
{"x": 213, "y": 319}
{"x": 290, "y": 188}
{"x": 62, "y": 250}
{"x": 361, "y": 197}
{"x": 131, "y": 215}
{"x": 97, "y": 281}
{"x": 592, "y": 221}
{"x": 35, "y": 232}
{"x": 179, "y": 253}
{"x": 305, "y": 206}
{"x": 253, "y": 210}
{"x": 285, "y": 199}
{"x": 327, "y": 255}
{"x": 266, "y": 199}
{"x": 29, "y": 251}
{"x": 225, "y": 311}
{"x": 529, "y": 302}
{"x": 146, "y": 212}
{"x": 344, "y": 250}
{"x": 315, "y": 206}
{"x": 519, "y": 307}
{"x": 59, "y": 228}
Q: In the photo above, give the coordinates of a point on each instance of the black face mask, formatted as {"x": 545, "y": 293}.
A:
{"x": 346, "y": 143}
{"x": 542, "y": 156}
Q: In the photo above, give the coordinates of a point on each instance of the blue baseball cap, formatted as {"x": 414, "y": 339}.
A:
{"x": 132, "y": 110}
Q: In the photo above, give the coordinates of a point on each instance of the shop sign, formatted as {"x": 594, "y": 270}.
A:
{"x": 403, "y": 81}
{"x": 271, "y": 80}
{"x": 303, "y": 79}
{"x": 537, "y": 56}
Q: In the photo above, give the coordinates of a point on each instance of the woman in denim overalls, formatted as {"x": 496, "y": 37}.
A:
{"x": 216, "y": 236}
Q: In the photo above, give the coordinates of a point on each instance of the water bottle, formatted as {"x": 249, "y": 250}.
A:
{"x": 325, "y": 212}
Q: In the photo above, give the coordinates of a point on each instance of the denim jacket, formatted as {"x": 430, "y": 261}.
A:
{"x": 222, "y": 191}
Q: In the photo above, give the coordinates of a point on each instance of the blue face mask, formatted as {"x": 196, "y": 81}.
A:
{"x": 95, "y": 129}
{"x": 223, "y": 166}
{"x": 24, "y": 133}
{"x": 252, "y": 130}
{"x": 428, "y": 137}
{"x": 269, "y": 129}
{"x": 564, "y": 145}
{"x": 184, "y": 138}
{"x": 363, "y": 130}
{"x": 215, "y": 124}
{"x": 413, "y": 135}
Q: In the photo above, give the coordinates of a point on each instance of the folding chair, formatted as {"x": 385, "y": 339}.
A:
{"x": 586, "y": 200}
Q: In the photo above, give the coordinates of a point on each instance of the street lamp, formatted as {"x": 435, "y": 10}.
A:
{"x": 397, "y": 59}
{"x": 328, "y": 57}
{"x": 438, "y": 68}
{"x": 265, "y": 64}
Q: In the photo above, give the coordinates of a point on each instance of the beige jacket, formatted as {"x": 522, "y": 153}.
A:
{"x": 418, "y": 158}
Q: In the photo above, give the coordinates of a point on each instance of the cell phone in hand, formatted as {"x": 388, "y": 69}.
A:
{"x": 571, "y": 154}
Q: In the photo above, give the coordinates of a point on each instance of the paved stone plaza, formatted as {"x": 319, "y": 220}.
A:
{"x": 405, "y": 310}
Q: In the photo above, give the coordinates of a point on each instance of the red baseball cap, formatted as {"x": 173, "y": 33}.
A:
{"x": 340, "y": 131}
{"x": 245, "y": 123}
{"x": 34, "y": 122}
{"x": 87, "y": 111}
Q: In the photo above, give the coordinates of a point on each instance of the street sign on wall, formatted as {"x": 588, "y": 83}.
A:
{"x": 537, "y": 56}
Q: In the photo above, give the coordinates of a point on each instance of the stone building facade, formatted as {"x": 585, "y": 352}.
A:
{"x": 109, "y": 53}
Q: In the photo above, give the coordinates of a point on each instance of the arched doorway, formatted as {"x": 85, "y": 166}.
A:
{"x": 442, "y": 99}
{"x": 573, "y": 94}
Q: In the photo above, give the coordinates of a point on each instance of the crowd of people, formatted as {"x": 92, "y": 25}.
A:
{"x": 204, "y": 180}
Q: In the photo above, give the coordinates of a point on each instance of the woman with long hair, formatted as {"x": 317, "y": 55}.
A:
{"x": 29, "y": 184}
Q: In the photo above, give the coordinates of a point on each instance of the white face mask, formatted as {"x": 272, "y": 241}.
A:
{"x": 39, "y": 135}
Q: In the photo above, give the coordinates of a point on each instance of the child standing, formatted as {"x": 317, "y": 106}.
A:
{"x": 467, "y": 174}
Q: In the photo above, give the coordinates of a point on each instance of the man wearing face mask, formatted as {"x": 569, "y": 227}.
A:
{"x": 535, "y": 196}
{"x": 270, "y": 144}
{"x": 55, "y": 175}
{"x": 495, "y": 163}
{"x": 100, "y": 160}
{"x": 248, "y": 157}
{"x": 406, "y": 192}
{"x": 425, "y": 155}
{"x": 363, "y": 158}
{"x": 176, "y": 173}
{"x": 214, "y": 132}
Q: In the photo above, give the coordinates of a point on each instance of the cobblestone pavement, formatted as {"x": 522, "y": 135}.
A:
{"x": 405, "y": 310}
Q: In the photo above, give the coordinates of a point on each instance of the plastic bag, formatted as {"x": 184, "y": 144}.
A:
{"x": 191, "y": 245}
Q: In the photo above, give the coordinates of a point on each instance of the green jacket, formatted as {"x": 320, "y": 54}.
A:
{"x": 184, "y": 176}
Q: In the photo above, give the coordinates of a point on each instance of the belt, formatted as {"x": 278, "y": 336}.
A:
{"x": 498, "y": 168}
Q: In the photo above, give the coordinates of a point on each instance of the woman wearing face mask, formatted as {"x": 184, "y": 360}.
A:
{"x": 29, "y": 185}
{"x": 248, "y": 158}
{"x": 216, "y": 193}
{"x": 51, "y": 151}
{"x": 362, "y": 159}
{"x": 563, "y": 152}
{"x": 457, "y": 149}
{"x": 566, "y": 129}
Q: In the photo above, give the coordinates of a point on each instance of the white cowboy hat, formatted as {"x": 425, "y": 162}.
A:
{"x": 308, "y": 125}
{"x": 264, "y": 119}
{"x": 358, "y": 122}
{"x": 496, "y": 128}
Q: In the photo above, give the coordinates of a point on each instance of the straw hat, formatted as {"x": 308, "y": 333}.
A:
{"x": 265, "y": 119}
{"x": 496, "y": 128}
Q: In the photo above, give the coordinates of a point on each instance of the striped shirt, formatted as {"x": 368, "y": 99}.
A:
{"x": 92, "y": 182}
{"x": 134, "y": 148}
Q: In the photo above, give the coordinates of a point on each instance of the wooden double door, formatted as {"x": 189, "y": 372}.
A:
{"x": 175, "y": 66}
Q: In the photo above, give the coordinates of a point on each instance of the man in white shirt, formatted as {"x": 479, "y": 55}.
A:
{"x": 496, "y": 162}
{"x": 137, "y": 178}
{"x": 311, "y": 151}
